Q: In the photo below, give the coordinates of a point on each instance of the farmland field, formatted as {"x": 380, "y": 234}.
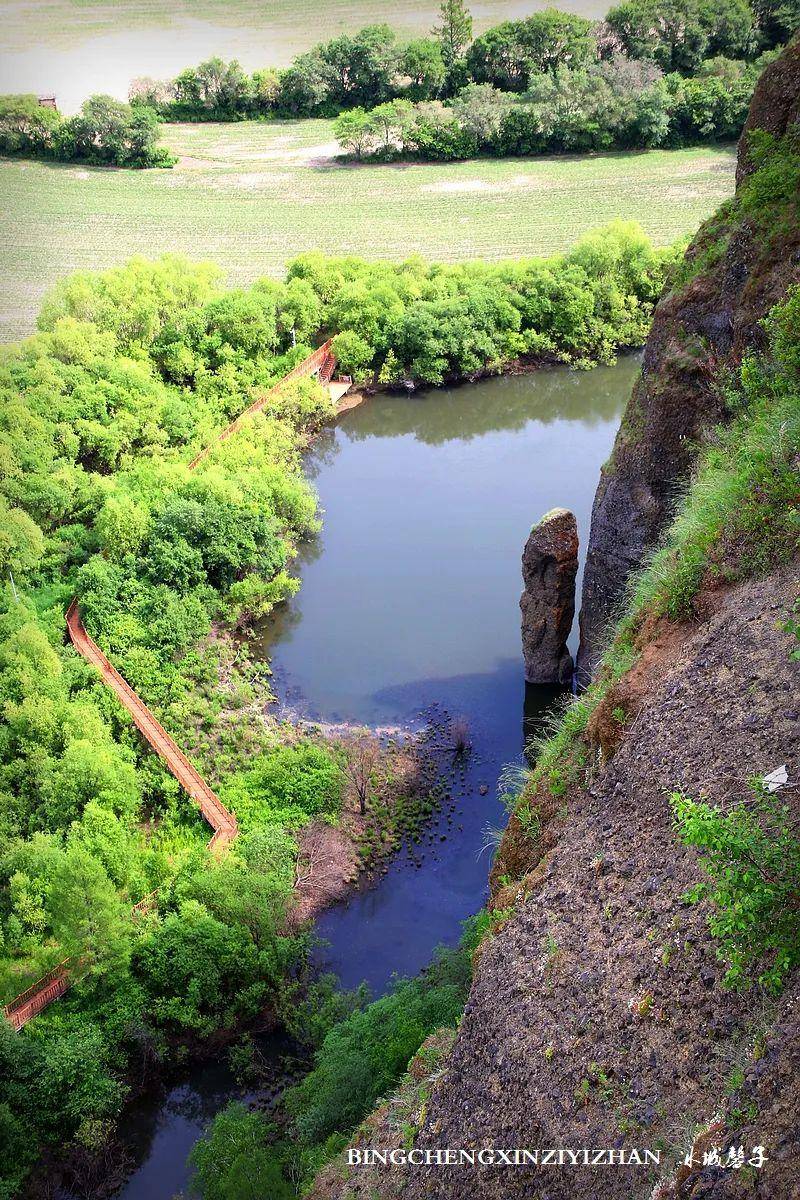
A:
{"x": 251, "y": 196}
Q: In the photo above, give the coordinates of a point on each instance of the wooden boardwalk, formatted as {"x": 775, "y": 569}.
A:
{"x": 37, "y": 997}
{"x": 221, "y": 821}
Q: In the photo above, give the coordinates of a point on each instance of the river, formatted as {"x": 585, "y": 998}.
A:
{"x": 408, "y": 609}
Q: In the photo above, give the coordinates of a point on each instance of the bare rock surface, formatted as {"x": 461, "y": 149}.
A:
{"x": 549, "y": 567}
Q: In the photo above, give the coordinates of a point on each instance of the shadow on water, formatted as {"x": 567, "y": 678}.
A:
{"x": 408, "y": 610}
{"x": 431, "y": 888}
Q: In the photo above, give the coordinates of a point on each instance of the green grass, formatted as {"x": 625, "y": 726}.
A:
{"x": 251, "y": 196}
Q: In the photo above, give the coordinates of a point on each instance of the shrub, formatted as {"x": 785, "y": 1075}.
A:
{"x": 752, "y": 857}
{"x": 292, "y": 782}
{"x": 105, "y": 131}
{"x": 362, "y": 1056}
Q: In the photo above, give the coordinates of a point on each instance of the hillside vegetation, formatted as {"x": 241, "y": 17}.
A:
{"x": 638, "y": 984}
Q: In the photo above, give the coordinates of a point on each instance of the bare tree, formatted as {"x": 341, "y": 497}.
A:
{"x": 362, "y": 755}
{"x": 314, "y": 867}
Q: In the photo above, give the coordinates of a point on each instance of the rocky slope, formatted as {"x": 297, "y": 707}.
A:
{"x": 698, "y": 329}
{"x": 606, "y": 964}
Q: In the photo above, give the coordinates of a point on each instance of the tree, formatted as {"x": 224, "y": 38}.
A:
{"x": 354, "y": 133}
{"x": 233, "y": 1161}
{"x": 122, "y": 526}
{"x": 153, "y": 93}
{"x": 353, "y": 352}
{"x": 499, "y": 57}
{"x": 422, "y": 63}
{"x": 553, "y": 39}
{"x": 266, "y": 86}
{"x": 305, "y": 87}
{"x": 26, "y": 126}
{"x": 214, "y": 85}
{"x": 109, "y": 131}
{"x": 21, "y": 541}
{"x": 479, "y": 110}
{"x": 776, "y": 20}
{"x": 454, "y": 31}
{"x": 361, "y": 760}
{"x": 86, "y": 914}
{"x": 363, "y": 66}
{"x": 391, "y": 121}
{"x": 679, "y": 34}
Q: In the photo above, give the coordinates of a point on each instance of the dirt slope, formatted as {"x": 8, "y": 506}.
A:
{"x": 597, "y": 1016}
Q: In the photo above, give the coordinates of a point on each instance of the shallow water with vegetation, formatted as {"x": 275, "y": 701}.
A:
{"x": 408, "y": 611}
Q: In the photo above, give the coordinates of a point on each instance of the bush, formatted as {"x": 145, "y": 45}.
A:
{"x": 291, "y": 783}
{"x": 752, "y": 857}
{"x": 105, "y": 131}
{"x": 365, "y": 1054}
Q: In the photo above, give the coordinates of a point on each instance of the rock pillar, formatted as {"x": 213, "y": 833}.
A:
{"x": 549, "y": 567}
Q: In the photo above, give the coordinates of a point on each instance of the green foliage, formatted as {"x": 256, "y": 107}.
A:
{"x": 434, "y": 323}
{"x": 363, "y": 1056}
{"x": 453, "y": 33}
{"x": 752, "y": 857}
{"x": 578, "y": 105}
{"x": 366, "y": 69}
{"x": 199, "y": 972}
{"x": 679, "y": 34}
{"x": 290, "y": 784}
{"x": 105, "y": 131}
{"x": 311, "y": 1013}
{"x": 132, "y": 371}
{"x": 234, "y": 1162}
{"x": 362, "y": 1051}
{"x": 792, "y": 626}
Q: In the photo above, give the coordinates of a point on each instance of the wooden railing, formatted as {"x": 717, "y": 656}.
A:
{"x": 219, "y": 818}
{"x": 30, "y": 1003}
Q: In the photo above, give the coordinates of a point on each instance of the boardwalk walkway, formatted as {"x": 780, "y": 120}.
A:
{"x": 221, "y": 821}
{"x": 37, "y": 997}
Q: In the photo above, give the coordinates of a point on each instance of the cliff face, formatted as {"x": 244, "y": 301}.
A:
{"x": 698, "y": 329}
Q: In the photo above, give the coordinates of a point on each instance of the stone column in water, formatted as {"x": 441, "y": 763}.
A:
{"x": 549, "y": 567}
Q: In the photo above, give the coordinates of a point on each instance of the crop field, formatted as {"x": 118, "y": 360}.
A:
{"x": 251, "y": 196}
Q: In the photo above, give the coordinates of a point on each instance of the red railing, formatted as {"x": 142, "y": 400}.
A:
{"x": 190, "y": 779}
{"x": 37, "y": 997}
